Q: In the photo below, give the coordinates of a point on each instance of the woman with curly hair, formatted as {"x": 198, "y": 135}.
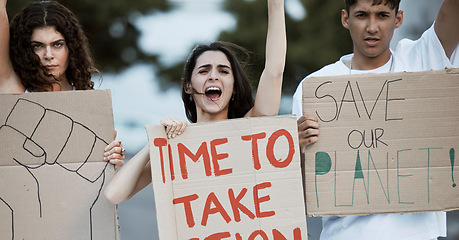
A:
{"x": 45, "y": 49}
{"x": 49, "y": 50}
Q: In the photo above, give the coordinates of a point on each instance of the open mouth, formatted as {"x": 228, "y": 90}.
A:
{"x": 213, "y": 93}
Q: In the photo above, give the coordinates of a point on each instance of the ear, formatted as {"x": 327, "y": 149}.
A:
{"x": 188, "y": 88}
{"x": 399, "y": 19}
{"x": 345, "y": 18}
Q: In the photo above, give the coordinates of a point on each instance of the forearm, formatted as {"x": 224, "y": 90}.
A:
{"x": 446, "y": 25}
{"x": 270, "y": 86}
{"x": 276, "y": 40}
{"x": 130, "y": 179}
{"x": 4, "y": 41}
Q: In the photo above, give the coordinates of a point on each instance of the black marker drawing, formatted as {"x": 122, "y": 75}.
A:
{"x": 53, "y": 170}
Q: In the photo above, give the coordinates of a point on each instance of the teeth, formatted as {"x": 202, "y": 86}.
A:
{"x": 213, "y": 89}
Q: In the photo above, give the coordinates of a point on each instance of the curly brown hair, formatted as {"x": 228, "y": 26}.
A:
{"x": 27, "y": 64}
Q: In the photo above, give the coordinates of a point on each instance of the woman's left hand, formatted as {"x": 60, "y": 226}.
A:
{"x": 114, "y": 153}
{"x": 174, "y": 126}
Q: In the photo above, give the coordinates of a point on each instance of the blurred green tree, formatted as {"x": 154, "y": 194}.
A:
{"x": 109, "y": 27}
{"x": 313, "y": 41}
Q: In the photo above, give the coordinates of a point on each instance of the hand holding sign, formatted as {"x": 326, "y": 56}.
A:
{"x": 229, "y": 179}
{"x": 379, "y": 151}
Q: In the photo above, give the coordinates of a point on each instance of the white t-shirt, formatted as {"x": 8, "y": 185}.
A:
{"x": 424, "y": 54}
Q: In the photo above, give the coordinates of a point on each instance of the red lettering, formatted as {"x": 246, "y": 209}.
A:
{"x": 254, "y": 138}
{"x": 218, "y": 236}
{"x": 216, "y": 157}
{"x": 258, "y": 200}
{"x": 270, "y": 149}
{"x": 218, "y": 209}
{"x": 236, "y": 205}
{"x": 202, "y": 151}
{"x": 238, "y": 236}
{"x": 187, "y": 206}
{"x": 171, "y": 163}
{"x": 160, "y": 143}
{"x": 278, "y": 236}
{"x": 258, "y": 233}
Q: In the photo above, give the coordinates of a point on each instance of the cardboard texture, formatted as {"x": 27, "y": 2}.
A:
{"x": 387, "y": 143}
{"x": 231, "y": 179}
{"x": 52, "y": 172}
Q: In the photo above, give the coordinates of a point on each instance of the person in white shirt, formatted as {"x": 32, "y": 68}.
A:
{"x": 371, "y": 24}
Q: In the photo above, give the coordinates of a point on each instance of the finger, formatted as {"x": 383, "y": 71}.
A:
{"x": 117, "y": 162}
{"x": 311, "y": 124}
{"x": 116, "y": 133}
{"x": 179, "y": 129}
{"x": 117, "y": 150}
{"x": 183, "y": 127}
{"x": 311, "y": 117}
{"x": 111, "y": 145}
{"x": 174, "y": 127}
{"x": 114, "y": 149}
{"x": 308, "y": 133}
{"x": 307, "y": 124}
{"x": 114, "y": 156}
{"x": 307, "y": 141}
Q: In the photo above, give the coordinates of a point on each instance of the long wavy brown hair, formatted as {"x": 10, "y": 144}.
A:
{"x": 242, "y": 100}
{"x": 27, "y": 64}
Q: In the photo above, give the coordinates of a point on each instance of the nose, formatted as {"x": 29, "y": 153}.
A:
{"x": 372, "y": 25}
{"x": 48, "y": 53}
{"x": 213, "y": 75}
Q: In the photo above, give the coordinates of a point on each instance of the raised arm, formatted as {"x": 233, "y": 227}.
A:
{"x": 130, "y": 179}
{"x": 269, "y": 90}
{"x": 447, "y": 25}
{"x": 9, "y": 81}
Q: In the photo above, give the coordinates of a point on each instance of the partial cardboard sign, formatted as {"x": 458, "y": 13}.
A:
{"x": 52, "y": 172}
{"x": 387, "y": 143}
{"x": 231, "y": 179}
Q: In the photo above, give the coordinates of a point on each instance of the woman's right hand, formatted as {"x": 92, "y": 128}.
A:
{"x": 114, "y": 153}
{"x": 174, "y": 126}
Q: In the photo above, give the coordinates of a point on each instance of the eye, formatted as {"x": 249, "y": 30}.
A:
{"x": 384, "y": 15}
{"x": 58, "y": 44}
{"x": 202, "y": 71}
{"x": 360, "y": 15}
{"x": 36, "y": 46}
{"x": 224, "y": 71}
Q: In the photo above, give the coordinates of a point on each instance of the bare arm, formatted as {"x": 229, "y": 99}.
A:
{"x": 9, "y": 81}
{"x": 446, "y": 25}
{"x": 134, "y": 176}
{"x": 269, "y": 89}
{"x": 5, "y": 63}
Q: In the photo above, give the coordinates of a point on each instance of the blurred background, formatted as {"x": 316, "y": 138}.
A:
{"x": 141, "y": 46}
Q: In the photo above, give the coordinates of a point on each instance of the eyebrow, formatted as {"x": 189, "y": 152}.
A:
{"x": 366, "y": 12}
{"x": 218, "y": 66}
{"x": 59, "y": 40}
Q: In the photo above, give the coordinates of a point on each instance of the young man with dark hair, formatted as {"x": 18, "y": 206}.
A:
{"x": 371, "y": 24}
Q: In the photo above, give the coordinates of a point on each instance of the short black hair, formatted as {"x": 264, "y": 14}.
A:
{"x": 393, "y": 4}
